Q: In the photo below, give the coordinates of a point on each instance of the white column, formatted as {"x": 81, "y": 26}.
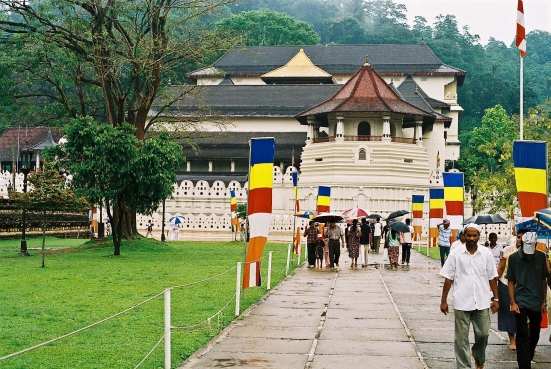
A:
{"x": 232, "y": 166}
{"x": 37, "y": 160}
{"x": 310, "y": 134}
{"x": 419, "y": 132}
{"x": 188, "y": 166}
{"x": 210, "y": 165}
{"x": 386, "y": 128}
{"x": 339, "y": 134}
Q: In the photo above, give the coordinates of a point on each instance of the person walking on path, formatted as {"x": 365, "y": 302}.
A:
{"x": 336, "y": 236}
{"x": 527, "y": 282}
{"x": 354, "y": 235}
{"x": 149, "y": 229}
{"x": 459, "y": 240}
{"x": 506, "y": 321}
{"x": 444, "y": 236}
{"x": 364, "y": 240}
{"x": 377, "y": 232}
{"x": 495, "y": 247}
{"x": 393, "y": 247}
{"x": 472, "y": 271}
{"x": 311, "y": 234}
{"x": 406, "y": 244}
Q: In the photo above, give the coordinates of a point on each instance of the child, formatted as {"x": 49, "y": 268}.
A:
{"x": 320, "y": 245}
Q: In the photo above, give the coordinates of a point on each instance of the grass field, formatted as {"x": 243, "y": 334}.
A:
{"x": 434, "y": 252}
{"x": 83, "y": 283}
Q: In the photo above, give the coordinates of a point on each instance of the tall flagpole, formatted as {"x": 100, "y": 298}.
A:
{"x": 521, "y": 97}
{"x": 521, "y": 44}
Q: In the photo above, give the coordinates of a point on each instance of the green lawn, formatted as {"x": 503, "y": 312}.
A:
{"x": 86, "y": 284}
{"x": 11, "y": 246}
{"x": 434, "y": 252}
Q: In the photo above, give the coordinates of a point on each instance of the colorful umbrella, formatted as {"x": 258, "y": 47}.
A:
{"x": 177, "y": 219}
{"x": 307, "y": 214}
{"x": 533, "y": 225}
{"x": 543, "y": 216}
{"x": 356, "y": 213}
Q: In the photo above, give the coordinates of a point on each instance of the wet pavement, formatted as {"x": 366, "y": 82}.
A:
{"x": 362, "y": 317}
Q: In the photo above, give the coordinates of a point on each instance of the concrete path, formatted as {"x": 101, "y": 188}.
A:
{"x": 363, "y": 318}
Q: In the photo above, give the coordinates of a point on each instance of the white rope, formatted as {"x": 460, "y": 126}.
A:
{"x": 204, "y": 280}
{"x": 80, "y": 330}
{"x": 150, "y": 352}
{"x": 208, "y": 319}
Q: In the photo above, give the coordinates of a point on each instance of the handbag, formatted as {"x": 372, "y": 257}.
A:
{"x": 385, "y": 256}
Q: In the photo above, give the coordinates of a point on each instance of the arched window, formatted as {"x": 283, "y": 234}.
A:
{"x": 362, "y": 155}
{"x": 364, "y": 129}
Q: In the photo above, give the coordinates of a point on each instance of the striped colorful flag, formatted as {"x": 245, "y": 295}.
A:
{"x": 259, "y": 209}
{"x": 417, "y": 202}
{"x": 296, "y": 242}
{"x": 530, "y": 162}
{"x": 436, "y": 210}
{"x": 233, "y": 207}
{"x": 324, "y": 199}
{"x": 295, "y": 190}
{"x": 454, "y": 198}
{"x": 521, "y": 30}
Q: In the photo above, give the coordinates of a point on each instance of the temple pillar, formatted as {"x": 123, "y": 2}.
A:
{"x": 210, "y": 165}
{"x": 386, "y": 128}
{"x": 310, "y": 135}
{"x": 419, "y": 132}
{"x": 188, "y": 166}
{"x": 339, "y": 133}
{"x": 232, "y": 166}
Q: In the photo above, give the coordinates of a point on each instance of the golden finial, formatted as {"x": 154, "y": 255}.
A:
{"x": 366, "y": 61}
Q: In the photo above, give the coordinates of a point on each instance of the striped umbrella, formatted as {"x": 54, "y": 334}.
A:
{"x": 306, "y": 214}
{"x": 356, "y": 213}
{"x": 543, "y": 216}
{"x": 177, "y": 219}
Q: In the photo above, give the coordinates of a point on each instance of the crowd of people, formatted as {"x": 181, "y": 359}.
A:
{"x": 488, "y": 278}
{"x": 325, "y": 242}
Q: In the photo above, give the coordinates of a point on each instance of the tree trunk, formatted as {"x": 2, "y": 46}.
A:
{"x": 43, "y": 237}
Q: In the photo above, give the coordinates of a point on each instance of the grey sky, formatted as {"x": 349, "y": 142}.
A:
{"x": 487, "y": 18}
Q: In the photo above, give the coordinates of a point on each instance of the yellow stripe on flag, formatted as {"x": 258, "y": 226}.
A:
{"x": 453, "y": 193}
{"x": 436, "y": 203}
{"x": 417, "y": 206}
{"x": 531, "y": 180}
{"x": 261, "y": 176}
{"x": 324, "y": 200}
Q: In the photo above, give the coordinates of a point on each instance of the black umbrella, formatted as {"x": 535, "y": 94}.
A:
{"x": 399, "y": 227}
{"x": 328, "y": 217}
{"x": 486, "y": 219}
{"x": 375, "y": 216}
{"x": 396, "y": 214}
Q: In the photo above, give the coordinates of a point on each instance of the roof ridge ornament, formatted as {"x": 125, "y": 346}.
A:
{"x": 367, "y": 61}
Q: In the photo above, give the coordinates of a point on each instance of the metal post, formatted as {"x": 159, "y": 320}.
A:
{"x": 163, "y": 238}
{"x": 269, "y": 282}
{"x": 23, "y": 250}
{"x": 238, "y": 289}
{"x": 167, "y": 328}
{"x": 298, "y": 255}
{"x": 288, "y": 259}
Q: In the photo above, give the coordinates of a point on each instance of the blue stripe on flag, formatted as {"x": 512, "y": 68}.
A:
{"x": 530, "y": 154}
{"x": 416, "y": 199}
{"x": 453, "y": 179}
{"x": 262, "y": 150}
{"x": 295, "y": 179}
{"x": 436, "y": 193}
{"x": 232, "y": 193}
{"x": 324, "y": 191}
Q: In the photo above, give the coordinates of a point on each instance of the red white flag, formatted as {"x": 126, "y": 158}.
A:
{"x": 521, "y": 31}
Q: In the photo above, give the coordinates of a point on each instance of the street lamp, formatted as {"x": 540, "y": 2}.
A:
{"x": 26, "y": 158}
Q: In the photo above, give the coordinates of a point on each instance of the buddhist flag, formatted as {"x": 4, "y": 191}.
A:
{"x": 417, "y": 202}
{"x": 324, "y": 199}
{"x": 296, "y": 242}
{"x": 521, "y": 30}
{"x": 259, "y": 209}
{"x": 530, "y": 162}
{"x": 233, "y": 207}
{"x": 295, "y": 190}
{"x": 436, "y": 210}
{"x": 453, "y": 196}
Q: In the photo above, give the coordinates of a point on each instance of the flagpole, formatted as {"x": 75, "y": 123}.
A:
{"x": 521, "y": 97}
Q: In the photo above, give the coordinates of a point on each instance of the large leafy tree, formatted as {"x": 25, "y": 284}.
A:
{"x": 109, "y": 163}
{"x": 269, "y": 28}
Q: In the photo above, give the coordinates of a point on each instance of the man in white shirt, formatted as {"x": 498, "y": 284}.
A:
{"x": 472, "y": 271}
{"x": 377, "y": 231}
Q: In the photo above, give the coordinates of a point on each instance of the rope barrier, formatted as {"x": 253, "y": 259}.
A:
{"x": 208, "y": 319}
{"x": 150, "y": 352}
{"x": 203, "y": 280}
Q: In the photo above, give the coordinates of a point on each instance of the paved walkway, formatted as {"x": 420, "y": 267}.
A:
{"x": 362, "y": 318}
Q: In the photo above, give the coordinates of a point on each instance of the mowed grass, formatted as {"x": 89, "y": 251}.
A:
{"x": 14, "y": 245}
{"x": 434, "y": 252}
{"x": 86, "y": 284}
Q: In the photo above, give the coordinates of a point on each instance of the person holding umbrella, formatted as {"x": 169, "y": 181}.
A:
{"x": 393, "y": 246}
{"x": 444, "y": 235}
{"x": 311, "y": 234}
{"x": 336, "y": 237}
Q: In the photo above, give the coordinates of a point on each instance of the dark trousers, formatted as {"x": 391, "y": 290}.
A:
{"x": 527, "y": 338}
{"x": 311, "y": 247}
{"x": 334, "y": 252}
{"x": 444, "y": 252}
{"x": 406, "y": 252}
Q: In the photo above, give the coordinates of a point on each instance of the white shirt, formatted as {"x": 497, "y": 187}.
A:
{"x": 505, "y": 254}
{"x": 377, "y": 227}
{"x": 407, "y": 235}
{"x": 496, "y": 251}
{"x": 470, "y": 275}
{"x": 455, "y": 244}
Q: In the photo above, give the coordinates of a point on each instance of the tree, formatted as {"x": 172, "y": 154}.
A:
{"x": 49, "y": 194}
{"x": 110, "y": 164}
{"x": 268, "y": 28}
{"x": 343, "y": 31}
{"x": 122, "y": 50}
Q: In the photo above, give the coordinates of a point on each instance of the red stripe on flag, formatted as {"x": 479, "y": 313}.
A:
{"x": 521, "y": 31}
{"x": 530, "y": 202}
{"x": 436, "y": 213}
{"x": 454, "y": 207}
{"x": 233, "y": 207}
{"x": 322, "y": 209}
{"x": 418, "y": 214}
{"x": 260, "y": 201}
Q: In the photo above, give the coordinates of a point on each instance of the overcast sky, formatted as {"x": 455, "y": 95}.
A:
{"x": 487, "y": 18}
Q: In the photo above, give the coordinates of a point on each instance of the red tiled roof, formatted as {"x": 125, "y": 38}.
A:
{"x": 366, "y": 91}
{"x": 33, "y": 136}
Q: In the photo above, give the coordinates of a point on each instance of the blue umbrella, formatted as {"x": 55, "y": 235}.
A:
{"x": 307, "y": 214}
{"x": 177, "y": 219}
{"x": 533, "y": 225}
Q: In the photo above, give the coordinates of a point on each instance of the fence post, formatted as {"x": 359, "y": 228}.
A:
{"x": 298, "y": 256}
{"x": 167, "y": 328}
{"x": 288, "y": 259}
{"x": 305, "y": 250}
{"x": 238, "y": 289}
{"x": 268, "y": 283}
